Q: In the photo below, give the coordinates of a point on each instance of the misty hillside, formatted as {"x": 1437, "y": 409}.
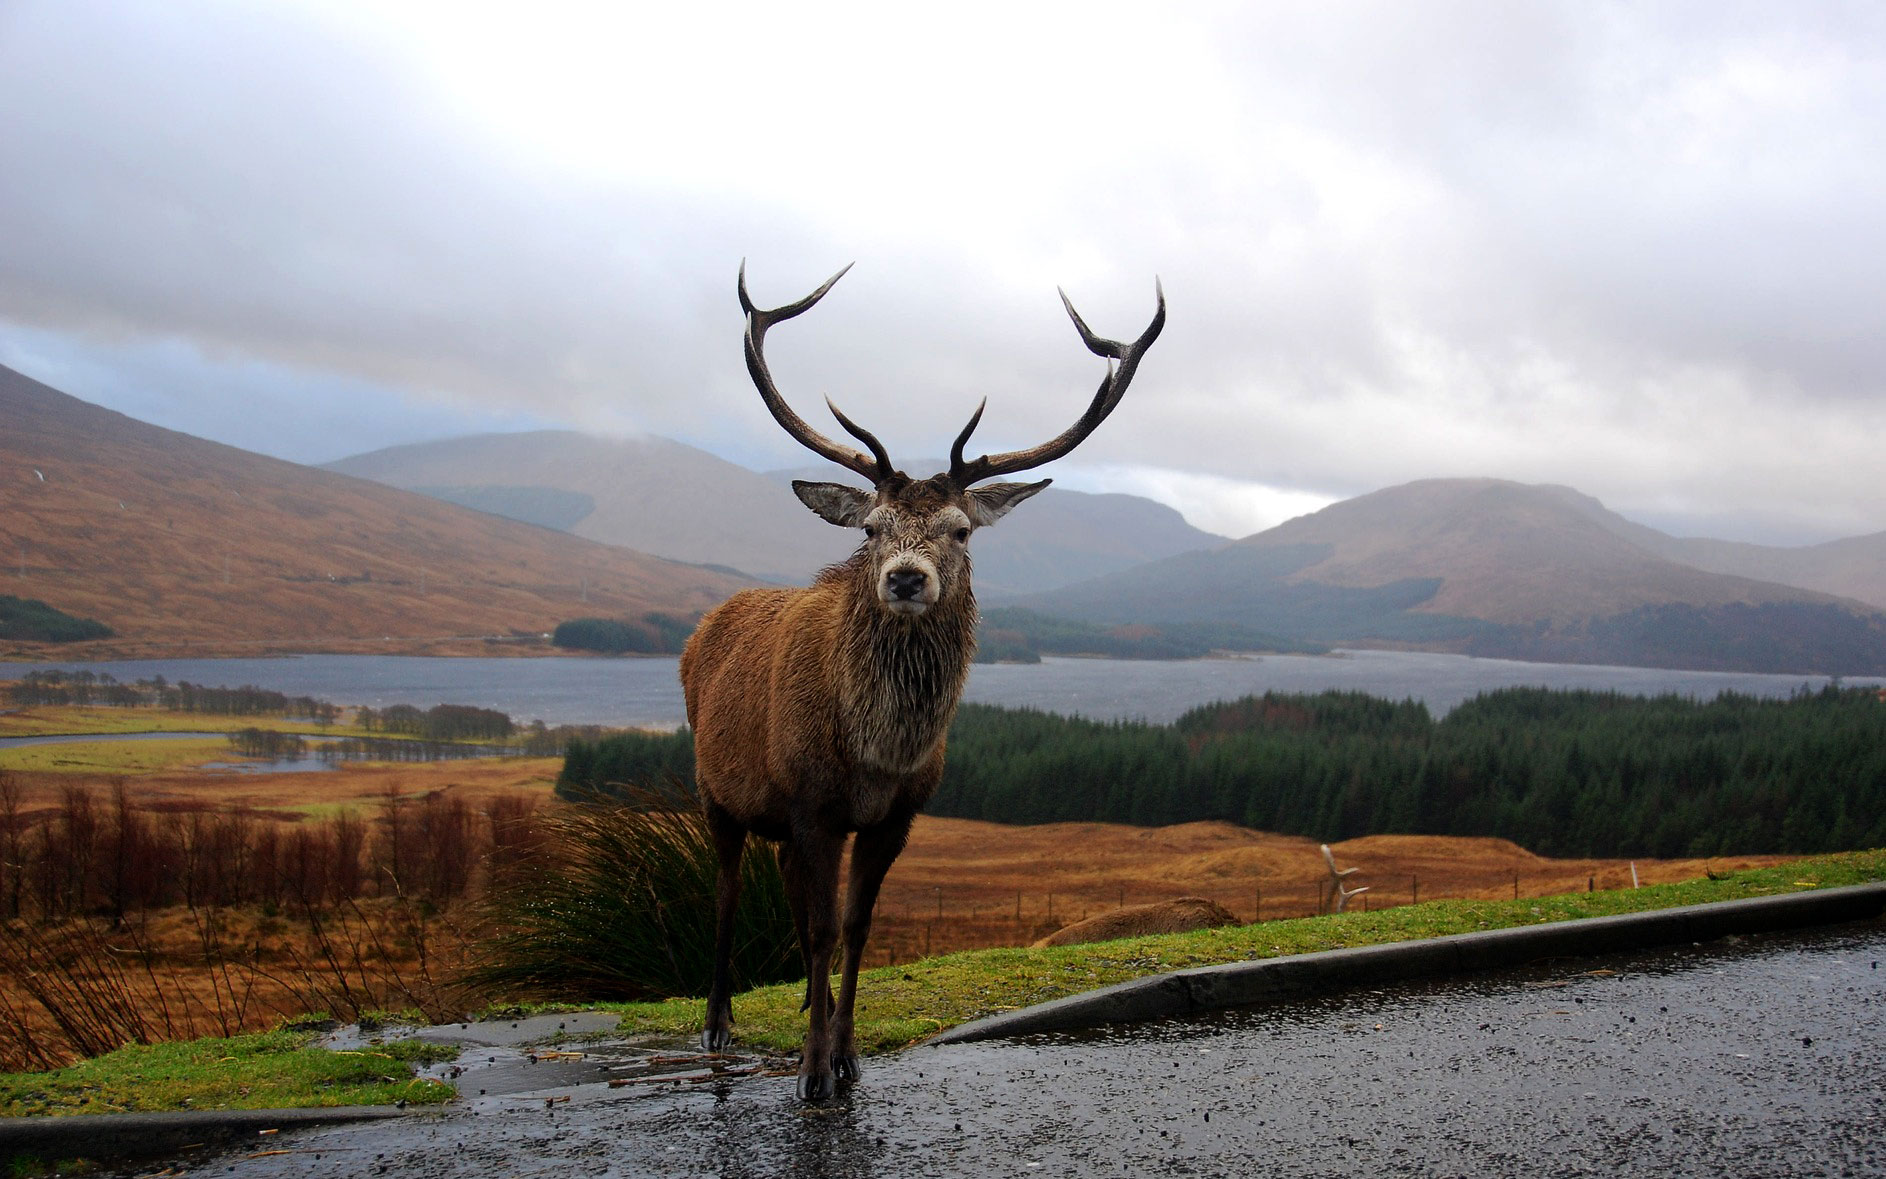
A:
{"x": 1853, "y": 567}
{"x": 175, "y": 542}
{"x": 1492, "y": 568}
{"x": 664, "y": 497}
{"x": 649, "y": 494}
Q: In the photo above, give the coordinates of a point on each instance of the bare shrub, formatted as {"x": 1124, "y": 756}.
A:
{"x": 120, "y": 923}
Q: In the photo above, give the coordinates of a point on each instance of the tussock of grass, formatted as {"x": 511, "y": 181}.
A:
{"x": 619, "y": 902}
{"x": 899, "y": 1005}
{"x": 270, "y": 1070}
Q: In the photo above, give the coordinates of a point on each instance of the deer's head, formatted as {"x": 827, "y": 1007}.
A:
{"x": 916, "y": 531}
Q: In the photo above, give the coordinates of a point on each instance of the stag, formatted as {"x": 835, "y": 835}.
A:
{"x": 821, "y": 712}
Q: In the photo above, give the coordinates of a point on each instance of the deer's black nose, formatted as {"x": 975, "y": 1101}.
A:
{"x": 905, "y": 583}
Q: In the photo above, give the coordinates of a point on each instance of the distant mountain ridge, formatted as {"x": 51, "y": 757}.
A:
{"x": 173, "y": 542}
{"x": 650, "y": 494}
{"x": 176, "y": 542}
{"x": 1852, "y": 567}
{"x": 1495, "y": 568}
{"x": 665, "y": 497}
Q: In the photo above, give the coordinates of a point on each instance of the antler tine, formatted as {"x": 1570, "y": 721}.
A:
{"x": 865, "y": 436}
{"x": 1112, "y": 388}
{"x": 877, "y": 467}
{"x": 956, "y": 448}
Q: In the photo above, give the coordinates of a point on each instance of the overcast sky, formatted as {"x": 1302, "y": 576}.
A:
{"x": 1637, "y": 249}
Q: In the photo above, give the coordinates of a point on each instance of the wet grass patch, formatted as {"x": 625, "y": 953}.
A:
{"x": 269, "y": 1070}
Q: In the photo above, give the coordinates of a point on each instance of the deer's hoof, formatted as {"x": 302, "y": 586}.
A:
{"x": 846, "y": 1068}
{"x": 816, "y": 1086}
{"x": 716, "y": 1039}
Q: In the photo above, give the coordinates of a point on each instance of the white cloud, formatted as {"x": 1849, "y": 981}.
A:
{"x": 1228, "y": 507}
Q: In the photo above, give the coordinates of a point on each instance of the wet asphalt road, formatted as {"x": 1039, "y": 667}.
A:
{"x": 1760, "y": 1056}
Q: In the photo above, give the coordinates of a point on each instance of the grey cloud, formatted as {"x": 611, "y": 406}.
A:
{"x": 1404, "y": 240}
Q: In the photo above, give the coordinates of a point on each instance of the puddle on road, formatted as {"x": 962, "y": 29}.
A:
{"x": 533, "y": 1055}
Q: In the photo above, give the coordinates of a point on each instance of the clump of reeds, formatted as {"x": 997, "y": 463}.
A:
{"x": 618, "y": 903}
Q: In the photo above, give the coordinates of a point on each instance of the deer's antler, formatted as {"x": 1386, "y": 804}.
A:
{"x": 877, "y": 467}
{"x": 1111, "y": 390}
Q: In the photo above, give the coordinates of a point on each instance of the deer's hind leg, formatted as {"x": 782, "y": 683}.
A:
{"x": 730, "y": 840}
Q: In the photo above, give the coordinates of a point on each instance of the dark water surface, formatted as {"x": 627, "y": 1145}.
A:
{"x": 1758, "y": 1056}
{"x": 647, "y": 691}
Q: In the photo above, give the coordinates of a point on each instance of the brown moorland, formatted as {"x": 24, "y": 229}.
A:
{"x": 184, "y": 546}
{"x": 965, "y": 883}
{"x": 977, "y": 868}
{"x": 962, "y": 884}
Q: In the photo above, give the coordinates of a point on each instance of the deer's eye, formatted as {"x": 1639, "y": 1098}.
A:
{"x": 962, "y": 536}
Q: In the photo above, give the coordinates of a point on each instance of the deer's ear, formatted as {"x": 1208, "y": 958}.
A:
{"x": 991, "y": 503}
{"x": 835, "y": 503}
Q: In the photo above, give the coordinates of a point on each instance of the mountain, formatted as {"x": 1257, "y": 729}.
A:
{"x": 661, "y": 496}
{"x": 175, "y": 542}
{"x": 1492, "y": 568}
{"x": 649, "y": 494}
{"x": 1853, "y": 567}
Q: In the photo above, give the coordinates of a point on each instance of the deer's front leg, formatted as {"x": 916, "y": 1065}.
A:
{"x": 815, "y": 894}
{"x": 871, "y": 857}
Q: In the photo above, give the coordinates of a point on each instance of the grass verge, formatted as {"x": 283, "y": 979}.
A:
{"x": 269, "y": 1070}
{"x": 897, "y": 1005}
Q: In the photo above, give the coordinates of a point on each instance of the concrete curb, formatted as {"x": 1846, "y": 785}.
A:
{"x": 122, "y": 1137}
{"x": 1237, "y": 984}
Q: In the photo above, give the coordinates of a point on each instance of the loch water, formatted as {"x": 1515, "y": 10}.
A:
{"x": 645, "y": 691}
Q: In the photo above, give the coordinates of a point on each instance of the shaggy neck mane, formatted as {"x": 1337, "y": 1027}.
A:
{"x": 906, "y": 674}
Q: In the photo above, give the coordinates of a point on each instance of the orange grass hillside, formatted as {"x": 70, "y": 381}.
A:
{"x": 965, "y": 884}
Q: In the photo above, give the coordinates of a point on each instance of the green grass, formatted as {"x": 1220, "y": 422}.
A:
{"x": 269, "y": 1070}
{"x": 132, "y": 757}
{"x": 897, "y": 1005}
{"x": 146, "y": 757}
{"x": 114, "y": 758}
{"x": 60, "y": 720}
